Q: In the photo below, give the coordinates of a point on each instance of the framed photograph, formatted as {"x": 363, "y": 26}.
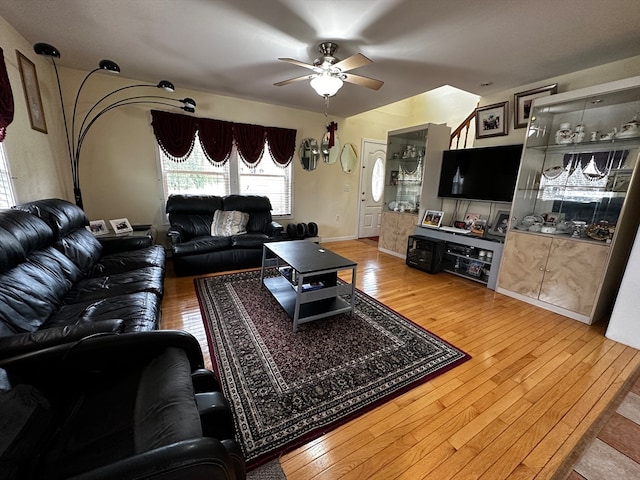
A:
{"x": 32, "y": 93}
{"x": 475, "y": 269}
{"x": 522, "y": 103}
{"x": 121, "y": 225}
{"x": 432, "y": 218}
{"x": 500, "y": 223}
{"x": 98, "y": 227}
{"x": 469, "y": 220}
{"x": 393, "y": 179}
{"x": 492, "y": 121}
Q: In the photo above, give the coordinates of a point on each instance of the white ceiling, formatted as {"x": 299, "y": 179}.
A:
{"x": 231, "y": 47}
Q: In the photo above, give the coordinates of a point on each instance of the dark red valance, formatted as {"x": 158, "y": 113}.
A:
{"x": 216, "y": 138}
{"x": 250, "y": 142}
{"x": 282, "y": 144}
{"x": 175, "y": 133}
{"x": 6, "y": 99}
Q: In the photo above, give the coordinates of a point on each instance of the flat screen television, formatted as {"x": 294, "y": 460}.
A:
{"x": 487, "y": 173}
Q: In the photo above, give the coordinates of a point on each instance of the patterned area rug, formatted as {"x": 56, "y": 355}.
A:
{"x": 287, "y": 388}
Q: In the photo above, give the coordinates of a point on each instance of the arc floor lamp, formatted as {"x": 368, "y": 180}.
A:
{"x": 76, "y": 133}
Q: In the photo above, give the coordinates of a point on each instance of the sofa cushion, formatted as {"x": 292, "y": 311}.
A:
{"x": 153, "y": 256}
{"x": 62, "y": 216}
{"x": 227, "y": 223}
{"x": 144, "y": 279}
{"x": 258, "y": 208}
{"x": 32, "y": 232}
{"x": 139, "y": 311}
{"x": 82, "y": 248}
{"x": 202, "y": 245}
{"x": 249, "y": 240}
{"x": 33, "y": 290}
{"x": 11, "y": 251}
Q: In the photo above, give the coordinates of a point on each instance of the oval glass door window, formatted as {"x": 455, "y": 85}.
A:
{"x": 377, "y": 180}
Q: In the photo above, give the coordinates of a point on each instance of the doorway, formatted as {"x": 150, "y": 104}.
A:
{"x": 371, "y": 188}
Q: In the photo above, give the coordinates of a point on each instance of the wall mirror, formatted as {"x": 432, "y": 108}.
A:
{"x": 309, "y": 153}
{"x": 324, "y": 148}
{"x": 348, "y": 158}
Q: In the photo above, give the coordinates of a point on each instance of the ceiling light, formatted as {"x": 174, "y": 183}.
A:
{"x": 326, "y": 84}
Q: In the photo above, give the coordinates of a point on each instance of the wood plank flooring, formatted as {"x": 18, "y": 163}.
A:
{"x": 535, "y": 384}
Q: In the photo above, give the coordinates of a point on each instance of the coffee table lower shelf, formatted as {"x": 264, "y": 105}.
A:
{"x": 314, "y": 304}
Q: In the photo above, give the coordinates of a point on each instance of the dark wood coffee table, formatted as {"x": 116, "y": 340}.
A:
{"x": 307, "y": 287}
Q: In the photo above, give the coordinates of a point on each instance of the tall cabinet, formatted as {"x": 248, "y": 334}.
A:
{"x": 577, "y": 202}
{"x": 412, "y": 170}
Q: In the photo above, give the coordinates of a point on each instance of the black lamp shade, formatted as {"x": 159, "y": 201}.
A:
{"x": 46, "y": 50}
{"x": 166, "y": 85}
{"x": 109, "y": 65}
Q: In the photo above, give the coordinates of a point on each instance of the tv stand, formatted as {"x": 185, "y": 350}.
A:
{"x": 462, "y": 255}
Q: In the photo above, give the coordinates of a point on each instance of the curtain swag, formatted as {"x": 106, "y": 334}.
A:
{"x": 176, "y": 136}
{"x": 6, "y": 98}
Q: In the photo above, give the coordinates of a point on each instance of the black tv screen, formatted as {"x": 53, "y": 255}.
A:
{"x": 487, "y": 173}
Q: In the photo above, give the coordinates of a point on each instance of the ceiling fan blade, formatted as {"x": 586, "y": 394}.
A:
{"x": 298, "y": 63}
{"x": 354, "y": 61}
{"x": 293, "y": 80}
{"x": 363, "y": 81}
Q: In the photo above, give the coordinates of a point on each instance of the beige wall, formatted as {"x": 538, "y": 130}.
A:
{"x": 37, "y": 160}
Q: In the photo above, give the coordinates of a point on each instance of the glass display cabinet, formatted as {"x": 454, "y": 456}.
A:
{"x": 575, "y": 210}
{"x": 413, "y": 155}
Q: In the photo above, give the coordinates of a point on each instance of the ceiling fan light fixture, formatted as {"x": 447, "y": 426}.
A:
{"x": 326, "y": 84}
{"x": 166, "y": 85}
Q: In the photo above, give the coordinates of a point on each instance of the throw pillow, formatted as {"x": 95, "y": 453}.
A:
{"x": 227, "y": 223}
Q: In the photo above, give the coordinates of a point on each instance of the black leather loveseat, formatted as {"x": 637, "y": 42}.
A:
{"x": 196, "y": 248}
{"x": 116, "y": 406}
{"x": 56, "y": 285}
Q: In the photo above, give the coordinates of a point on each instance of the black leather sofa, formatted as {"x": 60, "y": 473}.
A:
{"x": 195, "y": 250}
{"x": 116, "y": 406}
{"x": 56, "y": 285}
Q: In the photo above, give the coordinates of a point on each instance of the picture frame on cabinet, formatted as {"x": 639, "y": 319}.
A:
{"x": 492, "y": 120}
{"x": 432, "y": 218}
{"x": 522, "y": 103}
{"x": 98, "y": 227}
{"x": 32, "y": 93}
{"x": 121, "y": 225}
{"x": 618, "y": 180}
{"x": 500, "y": 223}
{"x": 393, "y": 178}
{"x": 470, "y": 219}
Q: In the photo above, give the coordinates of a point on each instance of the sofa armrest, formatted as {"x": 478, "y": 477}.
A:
{"x": 125, "y": 243}
{"x": 107, "y": 352}
{"x": 273, "y": 229}
{"x": 176, "y": 235}
{"x": 23, "y": 343}
{"x": 198, "y": 459}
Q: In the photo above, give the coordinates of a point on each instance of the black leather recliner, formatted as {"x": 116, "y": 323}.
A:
{"x": 116, "y": 406}
{"x": 194, "y": 250}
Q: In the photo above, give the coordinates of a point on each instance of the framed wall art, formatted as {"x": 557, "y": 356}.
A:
{"x": 492, "y": 121}
{"x": 522, "y": 103}
{"x": 32, "y": 93}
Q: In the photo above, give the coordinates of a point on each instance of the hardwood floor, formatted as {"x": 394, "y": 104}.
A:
{"x": 535, "y": 383}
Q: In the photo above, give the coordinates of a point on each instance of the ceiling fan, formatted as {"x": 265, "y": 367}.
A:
{"x": 330, "y": 72}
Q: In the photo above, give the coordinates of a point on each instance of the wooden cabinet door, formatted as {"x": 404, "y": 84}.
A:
{"x": 523, "y": 263}
{"x": 573, "y": 274}
{"x": 406, "y": 226}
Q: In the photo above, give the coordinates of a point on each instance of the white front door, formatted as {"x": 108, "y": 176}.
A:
{"x": 371, "y": 188}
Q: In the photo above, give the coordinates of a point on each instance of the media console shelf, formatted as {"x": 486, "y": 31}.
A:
{"x": 462, "y": 255}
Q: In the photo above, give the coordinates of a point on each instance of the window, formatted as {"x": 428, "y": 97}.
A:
{"x": 7, "y": 199}
{"x": 197, "y": 175}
